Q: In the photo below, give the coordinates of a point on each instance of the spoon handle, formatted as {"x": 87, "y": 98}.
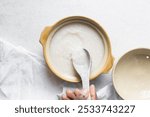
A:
{"x": 85, "y": 84}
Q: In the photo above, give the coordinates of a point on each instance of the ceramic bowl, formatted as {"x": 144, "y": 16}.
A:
{"x": 131, "y": 74}
{"x": 49, "y": 32}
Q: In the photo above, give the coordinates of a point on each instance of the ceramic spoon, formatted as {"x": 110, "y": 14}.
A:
{"x": 83, "y": 67}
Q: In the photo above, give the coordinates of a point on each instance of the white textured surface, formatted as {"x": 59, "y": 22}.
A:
{"x": 127, "y": 22}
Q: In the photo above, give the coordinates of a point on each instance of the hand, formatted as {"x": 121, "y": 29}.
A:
{"x": 80, "y": 94}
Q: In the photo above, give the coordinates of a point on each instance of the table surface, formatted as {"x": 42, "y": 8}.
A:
{"x": 127, "y": 22}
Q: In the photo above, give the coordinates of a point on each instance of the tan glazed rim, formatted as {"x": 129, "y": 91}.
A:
{"x": 116, "y": 64}
{"x": 50, "y": 29}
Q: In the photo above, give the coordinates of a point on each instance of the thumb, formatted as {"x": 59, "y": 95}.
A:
{"x": 93, "y": 92}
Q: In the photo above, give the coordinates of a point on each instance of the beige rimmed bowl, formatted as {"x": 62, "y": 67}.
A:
{"x": 49, "y": 32}
{"x": 131, "y": 75}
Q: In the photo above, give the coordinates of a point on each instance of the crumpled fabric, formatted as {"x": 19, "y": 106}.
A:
{"x": 24, "y": 75}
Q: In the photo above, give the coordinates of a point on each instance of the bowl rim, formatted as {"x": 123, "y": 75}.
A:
{"x": 115, "y": 66}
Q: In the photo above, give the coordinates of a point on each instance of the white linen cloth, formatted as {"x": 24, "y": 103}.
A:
{"x": 23, "y": 75}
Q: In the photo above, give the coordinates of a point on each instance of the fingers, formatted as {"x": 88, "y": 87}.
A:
{"x": 93, "y": 92}
{"x": 80, "y": 94}
{"x": 77, "y": 93}
{"x": 70, "y": 94}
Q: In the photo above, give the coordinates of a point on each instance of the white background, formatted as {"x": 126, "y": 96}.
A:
{"x": 127, "y": 22}
{"x": 7, "y": 108}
